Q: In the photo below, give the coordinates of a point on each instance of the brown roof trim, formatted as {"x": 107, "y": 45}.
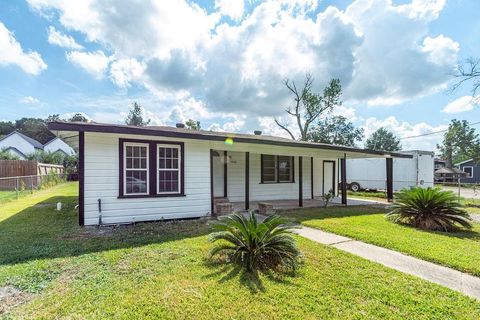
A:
{"x": 212, "y": 136}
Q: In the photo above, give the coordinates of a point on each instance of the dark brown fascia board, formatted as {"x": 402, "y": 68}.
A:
{"x": 103, "y": 128}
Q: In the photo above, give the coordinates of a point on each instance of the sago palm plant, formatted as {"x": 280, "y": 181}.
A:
{"x": 255, "y": 245}
{"x": 429, "y": 209}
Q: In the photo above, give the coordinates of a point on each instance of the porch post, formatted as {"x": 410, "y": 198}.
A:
{"x": 225, "y": 170}
{"x": 247, "y": 180}
{"x": 300, "y": 181}
{"x": 311, "y": 176}
{"x": 389, "y": 166}
{"x": 212, "y": 202}
{"x": 343, "y": 176}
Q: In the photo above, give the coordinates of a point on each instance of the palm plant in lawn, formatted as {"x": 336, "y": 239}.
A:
{"x": 429, "y": 209}
{"x": 255, "y": 245}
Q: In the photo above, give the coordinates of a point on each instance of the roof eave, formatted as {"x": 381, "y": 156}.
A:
{"x": 105, "y": 128}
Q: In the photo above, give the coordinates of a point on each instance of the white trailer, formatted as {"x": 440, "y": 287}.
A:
{"x": 370, "y": 173}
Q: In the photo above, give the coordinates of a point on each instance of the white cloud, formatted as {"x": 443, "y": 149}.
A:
{"x": 62, "y": 40}
{"x": 11, "y": 53}
{"x": 405, "y": 129}
{"x": 462, "y": 104}
{"x": 124, "y": 71}
{"x": 383, "y": 53}
{"x": 94, "y": 63}
{"x": 231, "y": 8}
{"x": 29, "y": 100}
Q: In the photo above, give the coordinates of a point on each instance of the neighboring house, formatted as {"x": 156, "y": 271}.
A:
{"x": 129, "y": 174}
{"x": 58, "y": 145}
{"x": 21, "y": 145}
{"x": 471, "y": 169}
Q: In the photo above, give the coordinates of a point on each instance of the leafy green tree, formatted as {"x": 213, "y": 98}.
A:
{"x": 308, "y": 105}
{"x": 6, "y": 155}
{"x": 460, "y": 142}
{"x": 135, "y": 117}
{"x": 53, "y": 117}
{"x": 78, "y": 117}
{"x": 6, "y": 127}
{"x": 34, "y": 128}
{"x": 335, "y": 130}
{"x": 192, "y": 124}
{"x": 383, "y": 140}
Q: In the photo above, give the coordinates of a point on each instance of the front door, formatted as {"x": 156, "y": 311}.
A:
{"x": 218, "y": 174}
{"x": 328, "y": 176}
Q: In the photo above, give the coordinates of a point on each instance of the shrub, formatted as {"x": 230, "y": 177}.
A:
{"x": 429, "y": 209}
{"x": 255, "y": 245}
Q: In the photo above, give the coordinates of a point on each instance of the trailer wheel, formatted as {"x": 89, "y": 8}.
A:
{"x": 354, "y": 186}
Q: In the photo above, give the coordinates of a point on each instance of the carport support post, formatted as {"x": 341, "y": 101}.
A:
{"x": 300, "y": 181}
{"x": 247, "y": 180}
{"x": 343, "y": 176}
{"x": 389, "y": 166}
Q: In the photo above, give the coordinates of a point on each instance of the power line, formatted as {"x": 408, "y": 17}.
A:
{"x": 435, "y": 132}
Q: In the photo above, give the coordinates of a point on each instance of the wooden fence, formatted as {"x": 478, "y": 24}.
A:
{"x": 24, "y": 173}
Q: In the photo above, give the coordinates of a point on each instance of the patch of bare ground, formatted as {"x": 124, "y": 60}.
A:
{"x": 11, "y": 297}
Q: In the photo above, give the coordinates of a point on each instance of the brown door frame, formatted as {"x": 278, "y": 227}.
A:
{"x": 323, "y": 175}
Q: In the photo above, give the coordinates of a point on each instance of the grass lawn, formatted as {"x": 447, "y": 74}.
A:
{"x": 459, "y": 250}
{"x": 159, "y": 270}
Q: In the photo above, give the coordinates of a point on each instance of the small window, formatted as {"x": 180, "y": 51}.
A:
{"x": 276, "y": 169}
{"x": 269, "y": 164}
{"x": 469, "y": 171}
{"x": 136, "y": 169}
{"x": 168, "y": 169}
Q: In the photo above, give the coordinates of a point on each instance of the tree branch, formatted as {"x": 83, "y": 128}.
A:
{"x": 285, "y": 128}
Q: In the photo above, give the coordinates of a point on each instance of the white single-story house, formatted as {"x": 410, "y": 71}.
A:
{"x": 21, "y": 145}
{"x": 130, "y": 174}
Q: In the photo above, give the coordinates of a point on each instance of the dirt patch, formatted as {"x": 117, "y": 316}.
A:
{"x": 11, "y": 297}
{"x": 90, "y": 233}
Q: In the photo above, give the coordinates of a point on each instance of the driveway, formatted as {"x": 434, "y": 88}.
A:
{"x": 469, "y": 193}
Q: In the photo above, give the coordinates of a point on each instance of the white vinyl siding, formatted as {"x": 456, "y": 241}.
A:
{"x": 102, "y": 178}
{"x": 102, "y": 182}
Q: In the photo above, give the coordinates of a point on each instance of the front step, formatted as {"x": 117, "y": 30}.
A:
{"x": 222, "y": 206}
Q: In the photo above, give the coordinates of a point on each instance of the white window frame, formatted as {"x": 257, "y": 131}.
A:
{"x": 147, "y": 169}
{"x": 179, "y": 169}
{"x": 471, "y": 175}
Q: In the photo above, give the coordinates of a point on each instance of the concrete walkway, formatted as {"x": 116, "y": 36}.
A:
{"x": 453, "y": 279}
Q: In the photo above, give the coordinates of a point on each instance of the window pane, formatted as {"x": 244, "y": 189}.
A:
{"x": 136, "y": 181}
{"x": 285, "y": 173}
{"x": 129, "y": 151}
{"x": 175, "y": 153}
{"x": 168, "y": 181}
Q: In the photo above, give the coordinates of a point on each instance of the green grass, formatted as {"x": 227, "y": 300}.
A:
{"x": 459, "y": 250}
{"x": 160, "y": 271}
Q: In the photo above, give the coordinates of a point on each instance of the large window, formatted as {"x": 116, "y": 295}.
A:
{"x": 469, "y": 171}
{"x": 151, "y": 168}
{"x": 168, "y": 175}
{"x": 136, "y": 169}
{"x": 276, "y": 169}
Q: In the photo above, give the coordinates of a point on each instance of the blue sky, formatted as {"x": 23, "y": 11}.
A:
{"x": 223, "y": 62}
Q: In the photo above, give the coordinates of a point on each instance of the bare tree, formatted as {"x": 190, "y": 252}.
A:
{"x": 308, "y": 105}
{"x": 469, "y": 72}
